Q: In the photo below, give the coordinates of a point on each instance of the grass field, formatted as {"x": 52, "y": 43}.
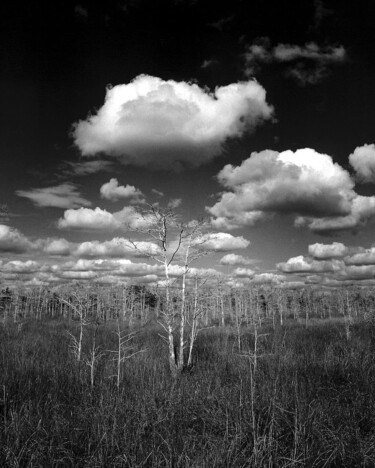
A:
{"x": 303, "y": 396}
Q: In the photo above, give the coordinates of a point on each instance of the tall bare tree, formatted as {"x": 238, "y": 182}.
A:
{"x": 179, "y": 244}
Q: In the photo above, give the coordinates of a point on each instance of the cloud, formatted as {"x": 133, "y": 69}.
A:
{"x": 13, "y": 241}
{"x": 268, "y": 278}
{"x": 305, "y": 184}
{"x": 362, "y": 211}
{"x": 233, "y": 259}
{"x": 308, "y": 64}
{"x": 302, "y": 265}
{"x": 22, "y": 267}
{"x": 84, "y": 168}
{"x": 116, "y": 248}
{"x": 113, "y": 191}
{"x": 64, "y": 195}
{"x": 363, "y": 162}
{"x": 57, "y": 247}
{"x": 209, "y": 63}
{"x": 222, "y": 242}
{"x": 365, "y": 257}
{"x": 101, "y": 220}
{"x": 328, "y": 251}
{"x": 165, "y": 124}
{"x": 243, "y": 273}
{"x": 157, "y": 192}
{"x": 80, "y": 11}
{"x": 358, "y": 272}
{"x": 174, "y": 203}
{"x": 221, "y": 22}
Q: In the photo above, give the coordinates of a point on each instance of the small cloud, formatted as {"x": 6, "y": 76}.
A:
{"x": 116, "y": 248}
{"x": 87, "y": 167}
{"x": 308, "y": 64}
{"x": 80, "y": 11}
{"x": 174, "y": 203}
{"x": 233, "y": 259}
{"x": 363, "y": 162}
{"x": 113, "y": 191}
{"x": 64, "y": 195}
{"x": 57, "y": 247}
{"x": 157, "y": 192}
{"x": 302, "y": 265}
{"x": 101, "y": 220}
{"x": 221, "y": 22}
{"x": 328, "y": 251}
{"x": 320, "y": 13}
{"x": 222, "y": 242}
{"x": 209, "y": 63}
{"x": 243, "y": 273}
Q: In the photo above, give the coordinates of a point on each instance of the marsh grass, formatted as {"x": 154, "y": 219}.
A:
{"x": 309, "y": 401}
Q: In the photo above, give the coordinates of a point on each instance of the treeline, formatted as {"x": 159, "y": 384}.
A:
{"x": 217, "y": 305}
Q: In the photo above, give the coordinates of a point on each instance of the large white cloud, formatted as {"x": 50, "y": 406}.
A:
{"x": 113, "y": 191}
{"x": 160, "y": 123}
{"x": 363, "y": 162}
{"x": 65, "y": 195}
{"x": 328, "y": 251}
{"x": 304, "y": 183}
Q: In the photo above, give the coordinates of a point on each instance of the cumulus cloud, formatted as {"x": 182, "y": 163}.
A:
{"x": 116, "y": 248}
{"x": 13, "y": 241}
{"x": 305, "y": 184}
{"x": 328, "y": 251}
{"x": 113, "y": 191}
{"x": 301, "y": 264}
{"x": 234, "y": 259}
{"x": 65, "y": 195}
{"x": 268, "y": 278}
{"x": 308, "y": 64}
{"x": 102, "y": 220}
{"x": 243, "y": 272}
{"x": 22, "y": 267}
{"x": 363, "y": 162}
{"x": 222, "y": 242}
{"x": 362, "y": 211}
{"x": 165, "y": 124}
{"x": 57, "y": 247}
{"x": 364, "y": 257}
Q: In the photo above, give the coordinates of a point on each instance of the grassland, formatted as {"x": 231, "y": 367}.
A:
{"x": 292, "y": 395}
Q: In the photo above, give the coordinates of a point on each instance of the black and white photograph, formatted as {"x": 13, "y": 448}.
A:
{"x": 187, "y": 233}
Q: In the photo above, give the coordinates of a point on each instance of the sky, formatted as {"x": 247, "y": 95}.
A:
{"x": 257, "y": 116}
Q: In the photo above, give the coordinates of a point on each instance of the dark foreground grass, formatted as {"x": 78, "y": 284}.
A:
{"x": 308, "y": 400}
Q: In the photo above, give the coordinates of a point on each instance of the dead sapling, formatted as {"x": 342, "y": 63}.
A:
{"x": 94, "y": 356}
{"x": 125, "y": 350}
{"x": 80, "y": 307}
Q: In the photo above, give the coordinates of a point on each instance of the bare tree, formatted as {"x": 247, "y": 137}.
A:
{"x": 178, "y": 243}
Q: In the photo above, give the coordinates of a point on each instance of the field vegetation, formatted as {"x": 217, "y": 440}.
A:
{"x": 276, "y": 378}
